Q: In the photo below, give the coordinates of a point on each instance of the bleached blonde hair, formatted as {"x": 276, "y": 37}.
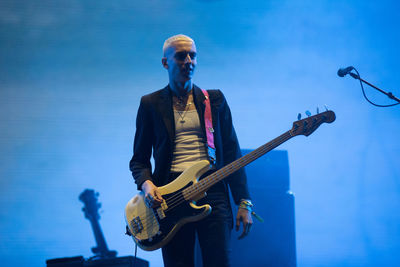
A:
{"x": 168, "y": 43}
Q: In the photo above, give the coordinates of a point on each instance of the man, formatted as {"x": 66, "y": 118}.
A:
{"x": 171, "y": 123}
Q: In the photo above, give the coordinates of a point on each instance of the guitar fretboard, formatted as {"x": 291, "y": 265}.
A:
{"x": 205, "y": 183}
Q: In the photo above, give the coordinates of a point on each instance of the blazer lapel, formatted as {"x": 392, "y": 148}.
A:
{"x": 165, "y": 108}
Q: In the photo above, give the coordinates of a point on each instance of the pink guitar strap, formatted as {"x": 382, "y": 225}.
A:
{"x": 209, "y": 128}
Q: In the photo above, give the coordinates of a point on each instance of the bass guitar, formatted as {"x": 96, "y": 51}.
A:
{"x": 152, "y": 228}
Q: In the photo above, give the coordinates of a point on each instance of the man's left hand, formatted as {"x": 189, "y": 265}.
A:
{"x": 244, "y": 216}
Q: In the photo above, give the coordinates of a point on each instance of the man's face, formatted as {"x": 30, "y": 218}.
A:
{"x": 180, "y": 60}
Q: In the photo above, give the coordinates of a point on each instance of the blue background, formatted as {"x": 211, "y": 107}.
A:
{"x": 72, "y": 73}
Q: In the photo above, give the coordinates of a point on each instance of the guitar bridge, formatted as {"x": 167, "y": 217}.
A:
{"x": 136, "y": 225}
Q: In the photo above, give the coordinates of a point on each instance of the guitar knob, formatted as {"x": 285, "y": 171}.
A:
{"x": 317, "y": 110}
{"x": 299, "y": 116}
{"x": 308, "y": 113}
{"x": 127, "y": 232}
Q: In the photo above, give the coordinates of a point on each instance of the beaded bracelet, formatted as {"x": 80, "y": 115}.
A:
{"x": 247, "y": 205}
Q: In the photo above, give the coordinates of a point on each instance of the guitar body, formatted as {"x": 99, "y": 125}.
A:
{"x": 151, "y": 228}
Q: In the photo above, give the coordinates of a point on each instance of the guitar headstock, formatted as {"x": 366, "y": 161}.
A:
{"x": 89, "y": 198}
{"x": 308, "y": 125}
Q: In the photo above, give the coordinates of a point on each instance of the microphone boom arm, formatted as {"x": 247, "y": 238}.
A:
{"x": 389, "y": 94}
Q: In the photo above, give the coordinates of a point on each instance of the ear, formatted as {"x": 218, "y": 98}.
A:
{"x": 164, "y": 62}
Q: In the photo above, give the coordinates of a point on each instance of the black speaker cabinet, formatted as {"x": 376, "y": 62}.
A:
{"x": 273, "y": 242}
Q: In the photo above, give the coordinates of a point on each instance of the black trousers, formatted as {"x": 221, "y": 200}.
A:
{"x": 213, "y": 233}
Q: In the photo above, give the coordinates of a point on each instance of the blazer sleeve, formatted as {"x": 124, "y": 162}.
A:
{"x": 231, "y": 151}
{"x": 140, "y": 164}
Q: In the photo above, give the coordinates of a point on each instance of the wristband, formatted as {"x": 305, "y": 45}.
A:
{"x": 248, "y": 205}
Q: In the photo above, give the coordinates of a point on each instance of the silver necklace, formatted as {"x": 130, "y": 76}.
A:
{"x": 182, "y": 114}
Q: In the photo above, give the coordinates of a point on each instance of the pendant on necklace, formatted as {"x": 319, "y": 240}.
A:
{"x": 182, "y": 121}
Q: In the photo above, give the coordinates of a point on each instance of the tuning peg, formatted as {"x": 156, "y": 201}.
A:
{"x": 326, "y": 107}
{"x": 308, "y": 113}
{"x": 317, "y": 110}
{"x": 299, "y": 116}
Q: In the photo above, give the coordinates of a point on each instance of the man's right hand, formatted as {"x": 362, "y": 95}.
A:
{"x": 152, "y": 196}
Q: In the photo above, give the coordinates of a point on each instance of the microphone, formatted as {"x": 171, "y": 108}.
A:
{"x": 344, "y": 71}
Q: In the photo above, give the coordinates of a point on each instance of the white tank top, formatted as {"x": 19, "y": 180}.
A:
{"x": 189, "y": 141}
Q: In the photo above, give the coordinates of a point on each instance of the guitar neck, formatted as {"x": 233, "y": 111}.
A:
{"x": 98, "y": 235}
{"x": 219, "y": 175}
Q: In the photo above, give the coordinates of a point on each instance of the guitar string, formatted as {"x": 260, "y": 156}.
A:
{"x": 245, "y": 159}
{"x": 178, "y": 198}
{"x": 152, "y": 218}
{"x": 203, "y": 184}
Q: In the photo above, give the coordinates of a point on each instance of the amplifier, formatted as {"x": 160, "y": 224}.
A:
{"x": 66, "y": 262}
{"x": 128, "y": 261}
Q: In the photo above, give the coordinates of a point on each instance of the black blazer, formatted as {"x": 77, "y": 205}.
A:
{"x": 155, "y": 130}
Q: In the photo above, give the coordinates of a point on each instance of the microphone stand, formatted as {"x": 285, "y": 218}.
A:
{"x": 390, "y": 95}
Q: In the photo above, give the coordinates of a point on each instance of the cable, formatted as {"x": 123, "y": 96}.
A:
{"x": 365, "y": 96}
{"x": 134, "y": 261}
